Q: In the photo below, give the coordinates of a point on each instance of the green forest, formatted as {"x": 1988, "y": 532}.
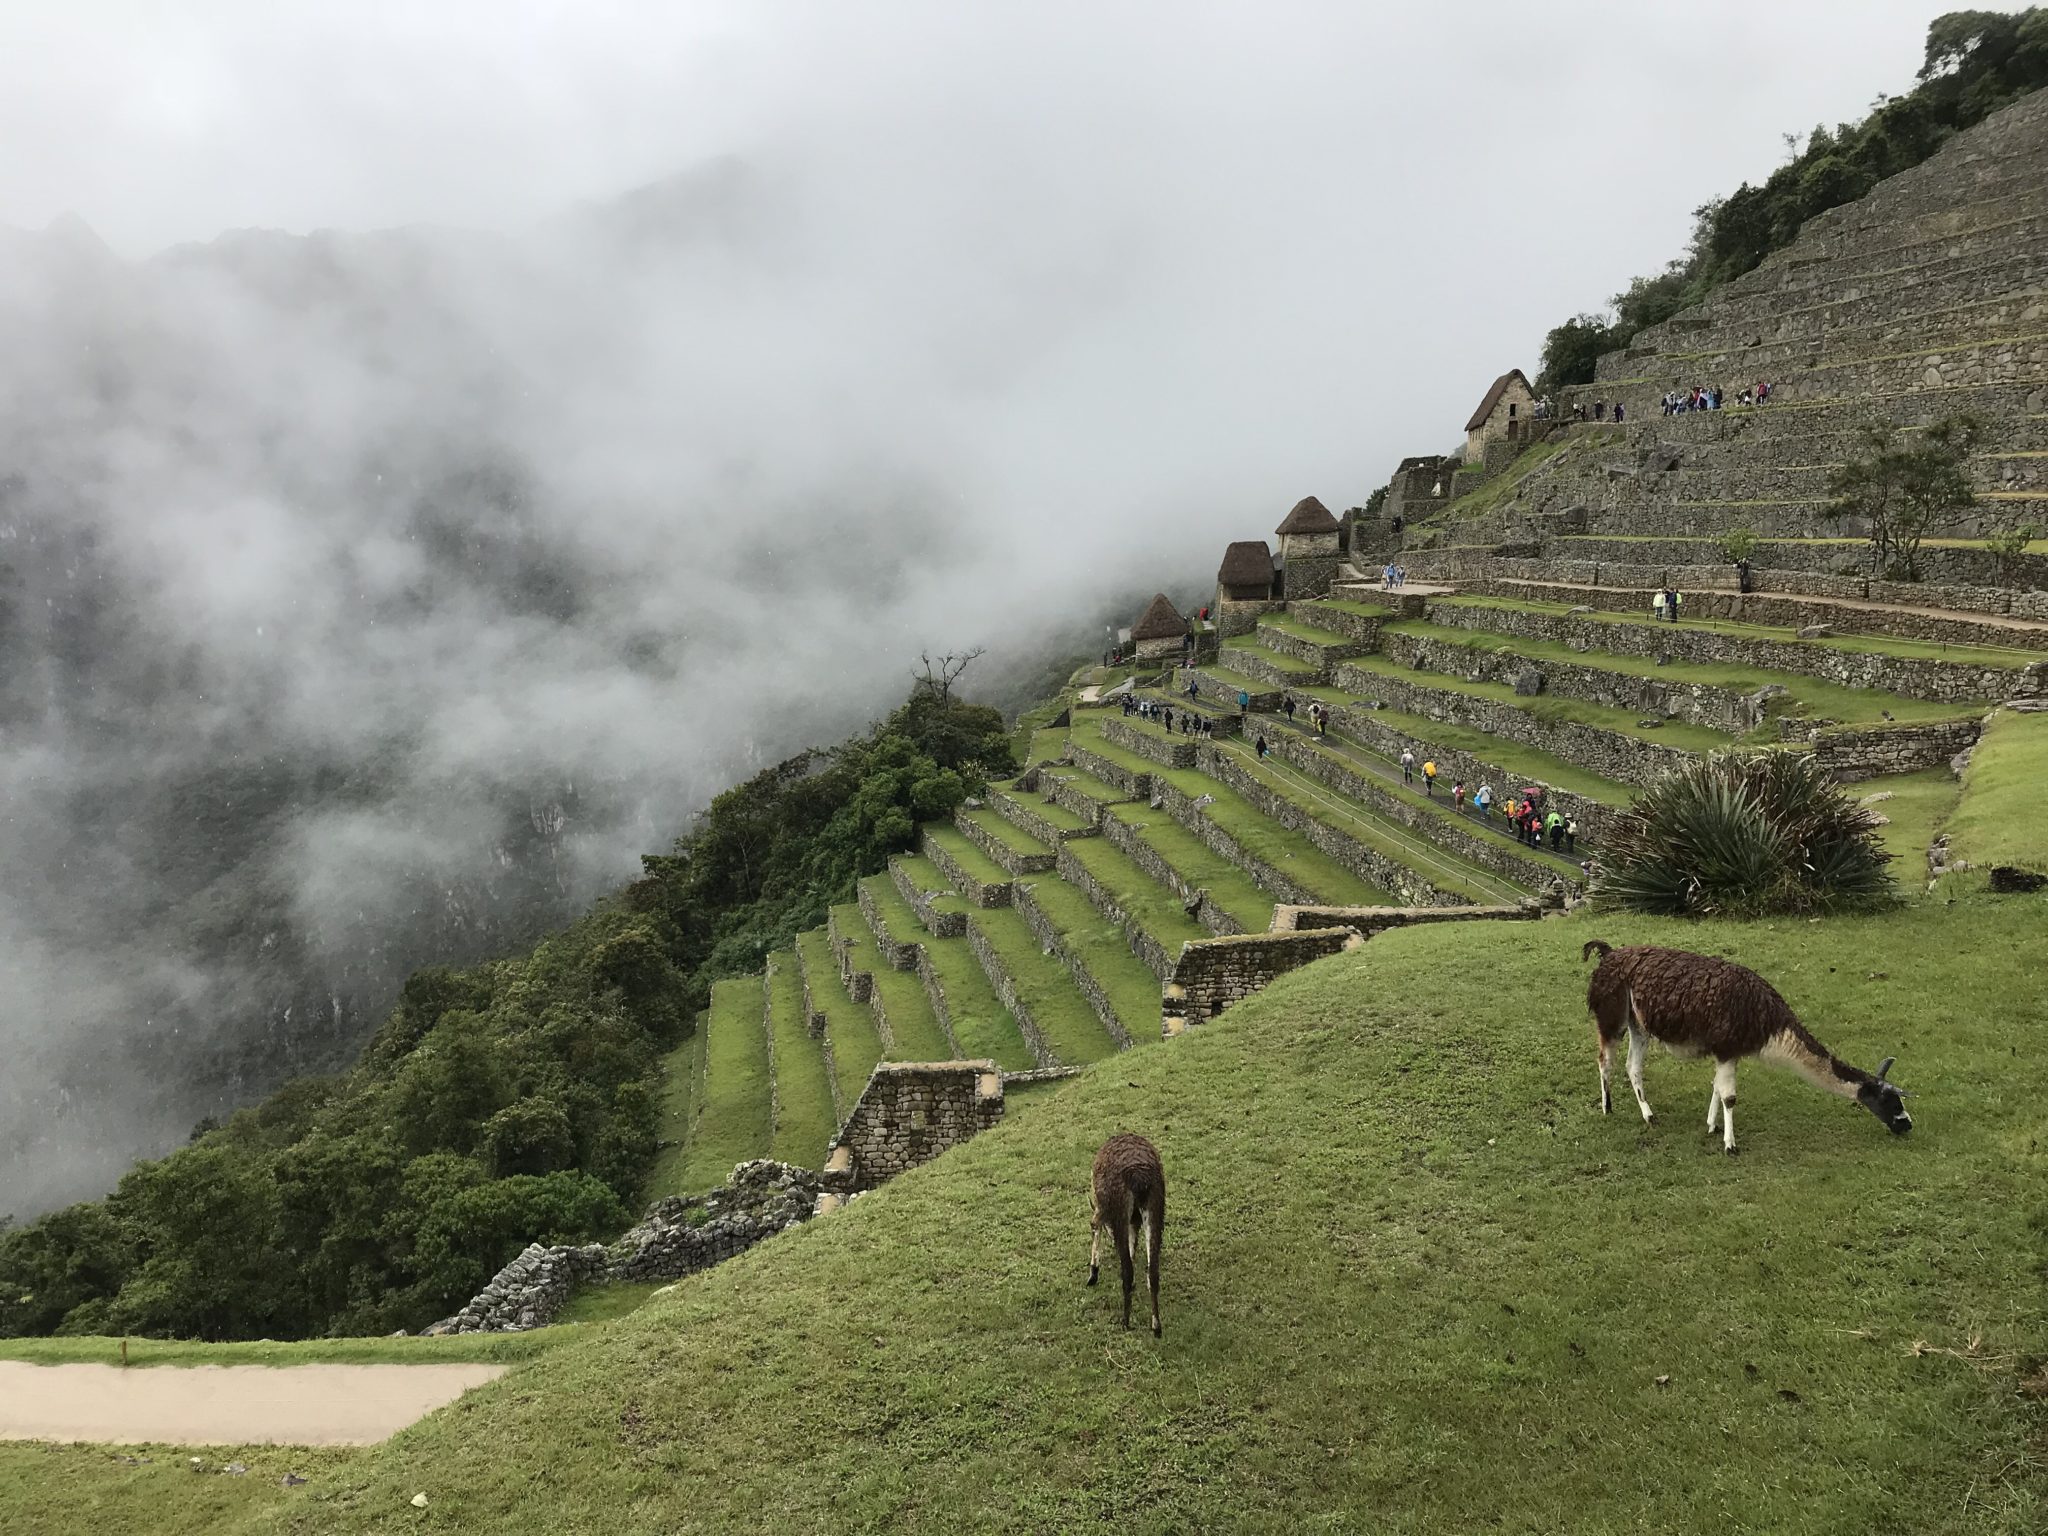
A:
{"x": 506, "y": 1103}
{"x": 1976, "y": 62}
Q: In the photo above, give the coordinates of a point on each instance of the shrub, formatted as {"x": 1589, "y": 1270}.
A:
{"x": 1744, "y": 836}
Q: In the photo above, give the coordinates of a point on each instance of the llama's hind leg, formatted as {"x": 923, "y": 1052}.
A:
{"x": 1714, "y": 1105}
{"x": 1095, "y": 1245}
{"x": 1606, "y": 1095}
{"x": 1124, "y": 1236}
{"x": 1637, "y": 1041}
{"x": 1155, "y": 1218}
{"x": 1724, "y": 1087}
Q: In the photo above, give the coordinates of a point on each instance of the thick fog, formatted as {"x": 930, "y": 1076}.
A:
{"x": 441, "y": 445}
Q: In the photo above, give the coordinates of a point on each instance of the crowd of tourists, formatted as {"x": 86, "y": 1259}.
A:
{"x": 1190, "y": 722}
{"x": 1393, "y": 578}
{"x": 1711, "y": 397}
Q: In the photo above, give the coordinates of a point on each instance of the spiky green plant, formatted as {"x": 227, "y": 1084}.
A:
{"x": 1745, "y": 836}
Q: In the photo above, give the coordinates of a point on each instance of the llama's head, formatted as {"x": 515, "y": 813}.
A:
{"x": 1885, "y": 1101}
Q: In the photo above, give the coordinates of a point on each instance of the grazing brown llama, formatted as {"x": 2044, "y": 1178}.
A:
{"x": 1702, "y": 1006}
{"x": 1129, "y": 1196}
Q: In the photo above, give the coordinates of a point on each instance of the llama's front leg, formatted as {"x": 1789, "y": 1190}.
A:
{"x": 1636, "y": 1042}
{"x": 1714, "y": 1104}
{"x": 1724, "y": 1086}
{"x": 1606, "y": 1098}
{"x": 1094, "y": 1238}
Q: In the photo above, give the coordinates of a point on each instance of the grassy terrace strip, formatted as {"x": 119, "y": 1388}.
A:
{"x": 1009, "y": 835}
{"x": 1260, "y": 836}
{"x": 849, "y": 1027}
{"x": 1229, "y": 887}
{"x": 1438, "y": 807}
{"x": 1085, "y": 783}
{"x": 1444, "y": 870}
{"x": 1301, "y": 631}
{"x": 1525, "y": 765}
{"x": 2000, "y": 821}
{"x": 981, "y": 1023}
{"x": 1272, "y": 658}
{"x": 924, "y": 874}
{"x": 1920, "y": 804}
{"x": 970, "y": 858}
{"x": 1065, "y": 1021}
{"x": 1144, "y": 900}
{"x": 732, "y": 1107}
{"x": 915, "y": 1027}
{"x": 2014, "y": 657}
{"x": 1100, "y": 946}
{"x": 681, "y": 1069}
{"x": 1818, "y": 698}
{"x": 1036, "y": 805}
{"x": 487, "y": 1348}
{"x": 803, "y": 1094}
{"x": 1413, "y": 1130}
{"x": 1045, "y": 743}
{"x": 1673, "y": 733}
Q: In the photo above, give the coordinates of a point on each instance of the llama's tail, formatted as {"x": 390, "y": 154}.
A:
{"x": 1592, "y": 945}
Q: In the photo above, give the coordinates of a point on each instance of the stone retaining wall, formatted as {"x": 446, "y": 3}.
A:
{"x": 940, "y": 924}
{"x": 1259, "y": 669}
{"x": 1056, "y": 943}
{"x": 1004, "y": 985}
{"x": 1868, "y": 751}
{"x": 897, "y": 954}
{"x": 1611, "y": 754}
{"x": 1013, "y": 808}
{"x": 1156, "y": 747}
{"x": 1137, "y": 785}
{"x": 1318, "y": 655}
{"x": 910, "y": 1112}
{"x": 1209, "y": 685}
{"x": 1072, "y": 799}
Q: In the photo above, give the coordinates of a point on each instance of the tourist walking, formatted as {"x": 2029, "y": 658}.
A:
{"x": 1482, "y": 800}
{"x": 1262, "y": 747}
{"x": 1289, "y": 707}
{"x": 1571, "y": 836}
{"x": 1429, "y": 778}
{"x": 1457, "y": 794}
{"x": 1555, "y": 824}
{"x": 1407, "y": 767}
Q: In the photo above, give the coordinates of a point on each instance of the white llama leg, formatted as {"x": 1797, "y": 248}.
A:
{"x": 1606, "y": 1096}
{"x": 1724, "y": 1086}
{"x": 1714, "y": 1105}
{"x": 1636, "y": 1043}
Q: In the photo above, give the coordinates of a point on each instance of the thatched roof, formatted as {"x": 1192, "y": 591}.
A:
{"x": 1160, "y": 621}
{"x": 1308, "y": 516}
{"x": 1500, "y": 387}
{"x": 1247, "y": 563}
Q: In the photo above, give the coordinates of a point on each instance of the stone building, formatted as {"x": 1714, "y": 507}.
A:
{"x": 1504, "y": 413}
{"x": 1160, "y": 631}
{"x": 1244, "y": 587}
{"x": 1308, "y": 550}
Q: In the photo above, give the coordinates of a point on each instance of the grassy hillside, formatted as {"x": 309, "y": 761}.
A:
{"x": 1414, "y": 1282}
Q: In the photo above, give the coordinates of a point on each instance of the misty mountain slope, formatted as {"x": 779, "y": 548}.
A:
{"x": 374, "y": 600}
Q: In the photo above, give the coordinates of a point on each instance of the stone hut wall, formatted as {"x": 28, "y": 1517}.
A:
{"x": 1308, "y": 563}
{"x": 910, "y": 1112}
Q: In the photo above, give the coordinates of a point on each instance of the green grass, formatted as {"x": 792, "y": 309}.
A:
{"x": 1414, "y": 1281}
{"x": 1060, "y": 817}
{"x": 1085, "y": 783}
{"x": 923, "y": 874}
{"x": 602, "y": 1303}
{"x": 486, "y": 1348}
{"x": 1141, "y": 898}
{"x": 1812, "y": 696}
{"x": 2012, "y": 657}
{"x": 1066, "y": 1023}
{"x": 803, "y": 1093}
{"x": 1525, "y": 765}
{"x": 1007, "y": 834}
{"x": 92, "y": 1490}
{"x": 680, "y": 1070}
{"x": 981, "y": 1023}
{"x": 978, "y": 865}
{"x": 1920, "y": 804}
{"x": 1549, "y": 708}
{"x": 856, "y": 1046}
{"x": 732, "y": 1108}
{"x": 1048, "y": 742}
{"x": 1236, "y": 682}
{"x": 1033, "y": 723}
{"x": 1999, "y": 820}
{"x": 1229, "y": 887}
{"x": 1352, "y": 605}
{"x": 1104, "y": 952}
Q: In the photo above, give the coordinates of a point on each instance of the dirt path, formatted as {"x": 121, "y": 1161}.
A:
{"x": 226, "y": 1404}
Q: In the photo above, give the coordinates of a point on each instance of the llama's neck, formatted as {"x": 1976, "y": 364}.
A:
{"x": 1813, "y": 1061}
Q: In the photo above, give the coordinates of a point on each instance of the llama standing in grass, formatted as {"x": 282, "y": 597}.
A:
{"x": 1699, "y": 1005}
{"x": 1129, "y": 1197}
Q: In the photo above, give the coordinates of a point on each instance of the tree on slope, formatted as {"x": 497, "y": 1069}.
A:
{"x": 1906, "y": 489}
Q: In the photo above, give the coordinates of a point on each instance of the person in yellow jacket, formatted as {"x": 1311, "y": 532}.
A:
{"x": 1429, "y": 777}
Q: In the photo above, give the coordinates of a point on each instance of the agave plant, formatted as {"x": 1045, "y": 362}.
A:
{"x": 1742, "y": 836}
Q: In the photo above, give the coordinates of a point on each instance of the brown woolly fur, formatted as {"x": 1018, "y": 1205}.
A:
{"x": 1700, "y": 1005}
{"x": 1129, "y": 1197}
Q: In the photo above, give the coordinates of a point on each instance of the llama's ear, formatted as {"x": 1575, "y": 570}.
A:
{"x": 1884, "y": 1067}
